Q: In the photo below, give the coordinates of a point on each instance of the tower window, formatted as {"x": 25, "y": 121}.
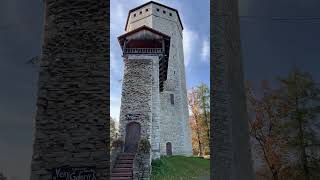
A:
{"x": 140, "y": 12}
{"x": 134, "y": 15}
{"x": 170, "y": 14}
{"x": 172, "y": 98}
{"x": 147, "y": 10}
{"x": 158, "y": 9}
{"x": 164, "y": 11}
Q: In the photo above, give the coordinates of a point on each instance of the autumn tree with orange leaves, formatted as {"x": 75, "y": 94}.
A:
{"x": 283, "y": 126}
{"x": 198, "y": 99}
{"x": 265, "y": 127}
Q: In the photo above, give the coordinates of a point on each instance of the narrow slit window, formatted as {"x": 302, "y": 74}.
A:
{"x": 134, "y": 15}
{"x": 140, "y": 12}
{"x": 172, "y": 98}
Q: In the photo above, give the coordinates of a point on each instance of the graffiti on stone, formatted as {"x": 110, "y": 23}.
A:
{"x": 74, "y": 173}
{"x": 133, "y": 117}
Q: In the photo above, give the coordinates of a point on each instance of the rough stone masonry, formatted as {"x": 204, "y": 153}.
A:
{"x": 231, "y": 155}
{"x": 73, "y": 95}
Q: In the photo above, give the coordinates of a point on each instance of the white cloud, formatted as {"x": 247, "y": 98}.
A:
{"x": 205, "y": 51}
{"x": 189, "y": 40}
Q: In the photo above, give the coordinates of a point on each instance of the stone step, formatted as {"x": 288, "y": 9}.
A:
{"x": 121, "y": 174}
{"x": 125, "y": 158}
{"x": 124, "y": 161}
{"x": 123, "y": 165}
{"x": 127, "y": 154}
{"x": 122, "y": 170}
{"x": 121, "y": 178}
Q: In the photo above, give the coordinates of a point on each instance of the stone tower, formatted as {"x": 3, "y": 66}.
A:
{"x": 154, "y": 94}
{"x": 231, "y": 155}
{"x": 70, "y": 137}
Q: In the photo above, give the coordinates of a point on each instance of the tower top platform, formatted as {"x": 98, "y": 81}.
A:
{"x": 154, "y": 3}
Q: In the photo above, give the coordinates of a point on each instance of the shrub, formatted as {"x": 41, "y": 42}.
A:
{"x": 117, "y": 143}
{"x": 144, "y": 146}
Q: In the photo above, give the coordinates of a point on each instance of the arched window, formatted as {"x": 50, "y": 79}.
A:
{"x": 169, "y": 148}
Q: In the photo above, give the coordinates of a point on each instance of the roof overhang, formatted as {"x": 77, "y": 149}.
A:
{"x": 157, "y": 35}
{"x": 149, "y": 35}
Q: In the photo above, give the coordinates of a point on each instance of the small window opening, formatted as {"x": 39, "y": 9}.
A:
{"x": 147, "y": 10}
{"x": 140, "y": 12}
{"x": 158, "y": 9}
{"x": 172, "y": 98}
{"x": 170, "y": 14}
{"x": 134, "y": 15}
{"x": 164, "y": 12}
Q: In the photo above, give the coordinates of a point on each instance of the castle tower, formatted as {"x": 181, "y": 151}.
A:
{"x": 70, "y": 138}
{"x": 154, "y": 80}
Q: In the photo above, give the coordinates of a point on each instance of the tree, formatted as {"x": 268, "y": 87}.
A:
{"x": 204, "y": 98}
{"x": 265, "y": 127}
{"x": 195, "y": 118}
{"x": 113, "y": 130}
{"x": 301, "y": 99}
{"x": 284, "y": 124}
{"x": 199, "y": 103}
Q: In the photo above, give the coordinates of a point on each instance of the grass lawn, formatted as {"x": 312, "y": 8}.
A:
{"x": 180, "y": 168}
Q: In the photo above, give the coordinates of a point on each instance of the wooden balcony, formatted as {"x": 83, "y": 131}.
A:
{"x": 143, "y": 51}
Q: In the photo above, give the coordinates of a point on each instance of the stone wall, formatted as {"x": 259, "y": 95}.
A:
{"x": 231, "y": 156}
{"x": 142, "y": 167}
{"x": 137, "y": 95}
{"x": 70, "y": 128}
{"x": 140, "y": 95}
{"x": 155, "y": 136}
{"x": 177, "y": 115}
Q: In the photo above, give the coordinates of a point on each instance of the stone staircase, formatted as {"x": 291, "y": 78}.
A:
{"x": 123, "y": 167}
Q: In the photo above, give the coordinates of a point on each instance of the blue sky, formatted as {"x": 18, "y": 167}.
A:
{"x": 196, "y": 42}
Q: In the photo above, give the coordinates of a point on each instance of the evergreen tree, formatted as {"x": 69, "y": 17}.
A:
{"x": 301, "y": 100}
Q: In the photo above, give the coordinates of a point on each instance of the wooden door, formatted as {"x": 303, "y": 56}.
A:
{"x": 169, "y": 148}
{"x": 132, "y": 137}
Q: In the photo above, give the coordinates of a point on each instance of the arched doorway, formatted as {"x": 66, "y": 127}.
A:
{"x": 132, "y": 137}
{"x": 169, "y": 148}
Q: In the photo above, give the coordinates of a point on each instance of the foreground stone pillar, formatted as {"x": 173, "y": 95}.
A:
{"x": 231, "y": 155}
{"x": 73, "y": 95}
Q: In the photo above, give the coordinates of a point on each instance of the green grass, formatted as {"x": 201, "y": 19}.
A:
{"x": 180, "y": 168}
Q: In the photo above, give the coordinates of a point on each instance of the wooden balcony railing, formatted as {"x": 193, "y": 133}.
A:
{"x": 143, "y": 51}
